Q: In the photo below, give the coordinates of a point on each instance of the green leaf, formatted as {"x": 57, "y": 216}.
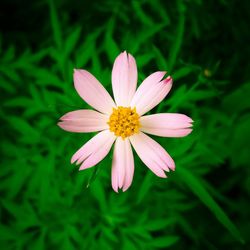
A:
{"x": 164, "y": 241}
{"x": 234, "y": 101}
{"x": 7, "y": 86}
{"x": 138, "y": 231}
{"x": 10, "y": 73}
{"x": 159, "y": 224}
{"x": 9, "y": 54}
{"x": 93, "y": 175}
{"x": 71, "y": 41}
{"x": 39, "y": 242}
{"x": 98, "y": 193}
{"x": 145, "y": 187}
{"x": 145, "y": 35}
{"x": 142, "y": 60}
{"x": 45, "y": 77}
{"x": 87, "y": 49}
{"x": 145, "y": 19}
{"x": 177, "y": 42}
{"x": 160, "y": 59}
{"x": 55, "y": 24}
{"x": 30, "y": 134}
{"x": 182, "y": 72}
{"x": 129, "y": 245}
{"x": 6, "y": 233}
{"x": 197, "y": 188}
{"x": 110, "y": 44}
{"x": 156, "y": 5}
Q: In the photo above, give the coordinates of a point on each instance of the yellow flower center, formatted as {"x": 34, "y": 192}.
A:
{"x": 124, "y": 121}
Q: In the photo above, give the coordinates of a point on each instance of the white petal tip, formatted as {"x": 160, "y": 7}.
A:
{"x": 84, "y": 166}
{"x": 125, "y": 189}
{"x": 61, "y": 125}
{"x": 161, "y": 175}
{"x": 172, "y": 168}
{"x": 63, "y": 117}
{"x": 188, "y": 131}
{"x": 77, "y": 71}
{"x": 81, "y": 168}
{"x": 188, "y": 119}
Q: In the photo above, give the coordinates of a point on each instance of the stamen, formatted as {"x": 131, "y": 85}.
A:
{"x": 124, "y": 121}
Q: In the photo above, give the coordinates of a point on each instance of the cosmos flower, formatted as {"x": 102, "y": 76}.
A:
{"x": 123, "y": 122}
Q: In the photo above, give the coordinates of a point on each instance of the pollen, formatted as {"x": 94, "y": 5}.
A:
{"x": 124, "y": 121}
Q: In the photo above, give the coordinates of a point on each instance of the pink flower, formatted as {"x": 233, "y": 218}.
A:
{"x": 123, "y": 122}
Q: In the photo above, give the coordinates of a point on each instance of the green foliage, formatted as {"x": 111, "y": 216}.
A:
{"x": 46, "y": 203}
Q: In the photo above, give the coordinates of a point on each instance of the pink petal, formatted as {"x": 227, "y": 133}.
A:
{"x": 168, "y": 132}
{"x": 129, "y": 173}
{"x": 92, "y": 92}
{"x": 122, "y": 165}
{"x": 124, "y": 79}
{"x": 84, "y": 121}
{"x": 98, "y": 155}
{"x": 151, "y": 92}
{"x": 94, "y": 150}
{"x": 118, "y": 164}
{"x": 168, "y": 125}
{"x": 153, "y": 155}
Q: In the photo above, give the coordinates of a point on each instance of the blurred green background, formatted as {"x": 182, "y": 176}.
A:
{"x": 46, "y": 203}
